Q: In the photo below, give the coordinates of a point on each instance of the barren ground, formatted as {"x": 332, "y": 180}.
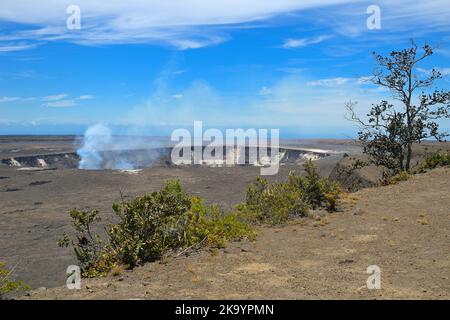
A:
{"x": 404, "y": 229}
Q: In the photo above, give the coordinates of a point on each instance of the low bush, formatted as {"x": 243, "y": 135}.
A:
{"x": 272, "y": 203}
{"x": 89, "y": 248}
{"x": 435, "y": 160}
{"x": 438, "y": 159}
{"x": 319, "y": 192}
{"x": 276, "y": 203}
{"x": 401, "y": 176}
{"x": 7, "y": 285}
{"x": 150, "y": 226}
{"x": 214, "y": 226}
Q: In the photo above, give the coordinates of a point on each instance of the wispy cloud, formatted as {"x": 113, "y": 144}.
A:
{"x": 185, "y": 24}
{"x": 86, "y": 97}
{"x": 176, "y": 23}
{"x": 8, "y": 99}
{"x": 289, "y": 101}
{"x": 55, "y": 97}
{"x": 15, "y": 47}
{"x": 444, "y": 71}
{"x": 264, "y": 91}
{"x": 61, "y": 104}
{"x": 177, "y": 96}
{"x": 303, "y": 42}
{"x": 331, "y": 82}
{"x": 178, "y": 72}
{"x": 56, "y": 101}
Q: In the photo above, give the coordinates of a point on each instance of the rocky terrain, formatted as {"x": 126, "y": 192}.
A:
{"x": 404, "y": 229}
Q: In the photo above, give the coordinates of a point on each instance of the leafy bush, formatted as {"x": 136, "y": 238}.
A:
{"x": 401, "y": 176}
{"x": 169, "y": 219}
{"x": 276, "y": 203}
{"x": 319, "y": 192}
{"x": 89, "y": 249}
{"x": 433, "y": 161}
{"x": 214, "y": 226}
{"x": 7, "y": 285}
{"x": 150, "y": 226}
{"x": 272, "y": 203}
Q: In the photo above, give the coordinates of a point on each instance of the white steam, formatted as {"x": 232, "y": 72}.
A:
{"x": 101, "y": 150}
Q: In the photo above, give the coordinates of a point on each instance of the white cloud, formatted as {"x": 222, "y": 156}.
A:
{"x": 331, "y": 82}
{"x": 55, "y": 97}
{"x": 295, "y": 103}
{"x": 194, "y": 24}
{"x": 16, "y": 47}
{"x": 264, "y": 91}
{"x": 86, "y": 97}
{"x": 58, "y": 100}
{"x": 61, "y": 104}
{"x": 289, "y": 101}
{"x": 8, "y": 99}
{"x": 178, "y": 72}
{"x": 184, "y": 24}
{"x": 304, "y": 42}
{"x": 444, "y": 71}
{"x": 365, "y": 80}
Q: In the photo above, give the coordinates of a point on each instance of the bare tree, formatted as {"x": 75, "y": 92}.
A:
{"x": 390, "y": 131}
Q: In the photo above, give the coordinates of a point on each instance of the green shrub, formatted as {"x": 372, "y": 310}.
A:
{"x": 214, "y": 226}
{"x": 319, "y": 192}
{"x": 150, "y": 226}
{"x": 433, "y": 161}
{"x": 147, "y": 226}
{"x": 401, "y": 176}
{"x": 272, "y": 203}
{"x": 89, "y": 249}
{"x": 7, "y": 285}
{"x": 276, "y": 203}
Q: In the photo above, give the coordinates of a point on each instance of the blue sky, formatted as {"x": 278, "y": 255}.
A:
{"x": 147, "y": 67}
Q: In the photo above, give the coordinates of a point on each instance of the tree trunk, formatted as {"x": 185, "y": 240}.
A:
{"x": 408, "y": 157}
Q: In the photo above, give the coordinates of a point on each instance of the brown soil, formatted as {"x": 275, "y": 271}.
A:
{"x": 404, "y": 229}
{"x": 35, "y": 203}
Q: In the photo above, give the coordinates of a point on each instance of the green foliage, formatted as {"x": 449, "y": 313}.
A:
{"x": 433, "y": 161}
{"x": 152, "y": 225}
{"x": 389, "y": 130}
{"x": 272, "y": 203}
{"x": 319, "y": 192}
{"x": 401, "y": 176}
{"x": 89, "y": 249}
{"x": 7, "y": 285}
{"x": 213, "y": 226}
{"x": 276, "y": 203}
{"x": 149, "y": 225}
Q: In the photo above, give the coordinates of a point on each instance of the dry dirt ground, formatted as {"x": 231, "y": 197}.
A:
{"x": 35, "y": 204}
{"x": 404, "y": 229}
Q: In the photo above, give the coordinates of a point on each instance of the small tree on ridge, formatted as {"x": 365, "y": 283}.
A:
{"x": 389, "y": 132}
